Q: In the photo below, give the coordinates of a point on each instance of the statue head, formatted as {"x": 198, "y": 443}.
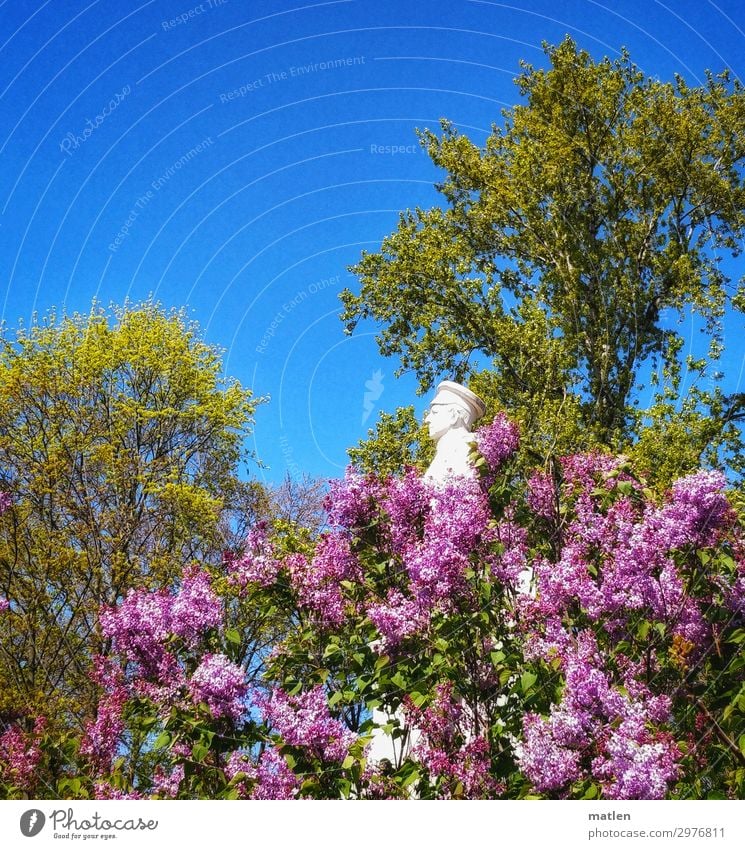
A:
{"x": 453, "y": 407}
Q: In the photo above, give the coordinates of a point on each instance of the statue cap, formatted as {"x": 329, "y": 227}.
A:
{"x": 450, "y": 392}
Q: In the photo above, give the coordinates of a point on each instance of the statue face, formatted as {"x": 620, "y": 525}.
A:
{"x": 440, "y": 418}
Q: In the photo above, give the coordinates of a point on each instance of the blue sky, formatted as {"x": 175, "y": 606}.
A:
{"x": 235, "y": 158}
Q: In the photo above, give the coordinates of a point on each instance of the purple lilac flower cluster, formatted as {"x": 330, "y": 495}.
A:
{"x": 304, "y": 720}
{"x": 436, "y": 561}
{"x": 142, "y": 629}
{"x": 354, "y": 500}
{"x": 270, "y": 778}
{"x": 4, "y": 605}
{"x": 616, "y": 560}
{"x": 620, "y": 559}
{"x": 106, "y": 790}
{"x": 219, "y": 683}
{"x": 144, "y": 620}
{"x": 460, "y": 764}
{"x": 166, "y": 783}
{"x": 435, "y": 533}
{"x": 317, "y": 582}
{"x": 634, "y": 759}
{"x": 103, "y": 736}
{"x": 406, "y": 504}
{"x": 20, "y": 755}
{"x": 497, "y": 441}
{"x": 542, "y": 496}
{"x": 396, "y": 618}
{"x": 257, "y": 564}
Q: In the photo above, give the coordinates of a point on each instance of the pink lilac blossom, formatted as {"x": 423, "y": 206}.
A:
{"x": 20, "y": 755}
{"x": 105, "y": 790}
{"x": 166, "y": 783}
{"x": 317, "y": 582}
{"x": 166, "y": 680}
{"x": 6, "y": 502}
{"x": 437, "y": 571}
{"x": 195, "y": 607}
{"x": 396, "y": 618}
{"x": 270, "y": 779}
{"x": 258, "y": 563}
{"x": 353, "y": 502}
{"x": 552, "y": 642}
{"x": 635, "y": 764}
{"x": 497, "y": 441}
{"x": 4, "y": 605}
{"x": 454, "y": 527}
{"x": 619, "y": 560}
{"x": 698, "y": 507}
{"x": 541, "y": 496}
{"x": 617, "y": 723}
{"x": 583, "y": 469}
{"x": 439, "y": 721}
{"x": 103, "y": 735}
{"x": 142, "y": 623}
{"x": 445, "y": 752}
{"x": 548, "y": 766}
{"x": 407, "y": 503}
{"x": 304, "y": 720}
{"x": 510, "y": 563}
{"x": 139, "y": 626}
{"x": 221, "y": 684}
{"x": 459, "y": 514}
{"x": 273, "y": 779}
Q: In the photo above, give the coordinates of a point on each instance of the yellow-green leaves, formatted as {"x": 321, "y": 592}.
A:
{"x": 602, "y": 201}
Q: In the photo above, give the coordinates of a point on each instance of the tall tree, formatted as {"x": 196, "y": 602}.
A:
{"x": 603, "y": 200}
{"x": 119, "y": 449}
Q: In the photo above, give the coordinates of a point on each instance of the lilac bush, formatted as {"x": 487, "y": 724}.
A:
{"x": 564, "y": 634}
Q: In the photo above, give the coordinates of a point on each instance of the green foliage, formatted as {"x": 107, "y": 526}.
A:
{"x": 397, "y": 441}
{"x": 603, "y": 200}
{"x": 119, "y": 442}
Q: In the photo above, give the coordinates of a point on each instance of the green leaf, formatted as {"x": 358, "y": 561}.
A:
{"x": 527, "y": 679}
{"x": 591, "y": 792}
{"x": 330, "y": 650}
{"x": 163, "y": 740}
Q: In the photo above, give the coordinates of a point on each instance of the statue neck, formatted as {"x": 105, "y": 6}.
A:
{"x": 451, "y": 457}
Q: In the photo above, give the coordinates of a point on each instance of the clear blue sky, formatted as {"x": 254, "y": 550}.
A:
{"x": 230, "y": 157}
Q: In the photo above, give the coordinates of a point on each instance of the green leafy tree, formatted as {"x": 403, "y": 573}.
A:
{"x": 120, "y": 446}
{"x": 598, "y": 210}
{"x": 397, "y": 441}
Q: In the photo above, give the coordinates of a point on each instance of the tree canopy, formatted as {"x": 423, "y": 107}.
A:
{"x": 119, "y": 452}
{"x": 601, "y": 207}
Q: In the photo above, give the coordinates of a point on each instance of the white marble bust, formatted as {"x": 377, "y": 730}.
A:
{"x": 450, "y": 418}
